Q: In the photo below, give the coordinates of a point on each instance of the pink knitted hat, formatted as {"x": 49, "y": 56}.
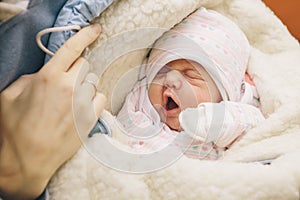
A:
{"x": 212, "y": 40}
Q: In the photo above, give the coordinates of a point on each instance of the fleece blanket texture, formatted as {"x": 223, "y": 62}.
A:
{"x": 275, "y": 68}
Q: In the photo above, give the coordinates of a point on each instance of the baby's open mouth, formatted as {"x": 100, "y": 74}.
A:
{"x": 171, "y": 104}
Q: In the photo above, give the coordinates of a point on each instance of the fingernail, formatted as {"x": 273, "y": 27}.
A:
{"x": 96, "y": 28}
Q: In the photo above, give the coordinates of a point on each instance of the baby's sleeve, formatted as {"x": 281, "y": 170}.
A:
{"x": 219, "y": 123}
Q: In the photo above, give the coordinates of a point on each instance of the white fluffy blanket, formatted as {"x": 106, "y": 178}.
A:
{"x": 275, "y": 68}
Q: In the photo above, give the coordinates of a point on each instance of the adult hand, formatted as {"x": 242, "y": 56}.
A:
{"x": 38, "y": 132}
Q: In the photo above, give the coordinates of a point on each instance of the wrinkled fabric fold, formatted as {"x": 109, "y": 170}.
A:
{"x": 75, "y": 12}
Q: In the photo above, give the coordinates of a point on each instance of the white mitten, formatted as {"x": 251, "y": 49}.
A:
{"x": 220, "y": 123}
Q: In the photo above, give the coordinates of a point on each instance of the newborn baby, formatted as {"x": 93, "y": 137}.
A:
{"x": 193, "y": 85}
{"x": 179, "y": 85}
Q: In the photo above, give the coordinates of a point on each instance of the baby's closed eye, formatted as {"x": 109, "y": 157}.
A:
{"x": 193, "y": 74}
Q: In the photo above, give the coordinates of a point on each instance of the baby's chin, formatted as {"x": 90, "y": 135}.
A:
{"x": 173, "y": 123}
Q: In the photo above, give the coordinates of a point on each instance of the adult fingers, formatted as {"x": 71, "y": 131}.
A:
{"x": 85, "y": 92}
{"x": 87, "y": 89}
{"x": 99, "y": 103}
{"x": 88, "y": 104}
{"x": 79, "y": 70}
{"x": 72, "y": 49}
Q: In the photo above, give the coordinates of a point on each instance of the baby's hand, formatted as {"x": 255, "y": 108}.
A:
{"x": 220, "y": 123}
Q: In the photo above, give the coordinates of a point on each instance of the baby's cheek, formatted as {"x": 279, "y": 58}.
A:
{"x": 203, "y": 96}
{"x": 161, "y": 111}
{"x": 155, "y": 93}
{"x": 211, "y": 94}
{"x": 187, "y": 96}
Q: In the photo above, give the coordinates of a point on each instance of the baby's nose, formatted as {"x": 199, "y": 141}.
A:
{"x": 173, "y": 79}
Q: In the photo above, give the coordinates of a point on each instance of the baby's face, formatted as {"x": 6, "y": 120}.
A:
{"x": 179, "y": 85}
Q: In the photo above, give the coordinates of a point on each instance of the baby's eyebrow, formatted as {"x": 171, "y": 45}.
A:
{"x": 193, "y": 68}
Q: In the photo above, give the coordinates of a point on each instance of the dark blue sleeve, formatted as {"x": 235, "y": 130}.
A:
{"x": 19, "y": 53}
{"x": 44, "y": 195}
